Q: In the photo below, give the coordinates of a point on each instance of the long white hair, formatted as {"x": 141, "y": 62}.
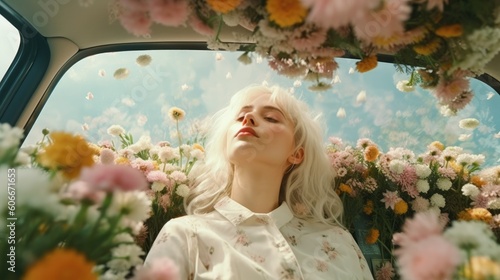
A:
{"x": 307, "y": 188}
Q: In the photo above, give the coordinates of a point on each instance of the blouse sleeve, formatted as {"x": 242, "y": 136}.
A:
{"x": 172, "y": 243}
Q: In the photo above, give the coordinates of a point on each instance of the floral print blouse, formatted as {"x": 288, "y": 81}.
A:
{"x": 232, "y": 242}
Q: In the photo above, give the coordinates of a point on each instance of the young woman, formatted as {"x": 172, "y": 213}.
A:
{"x": 263, "y": 205}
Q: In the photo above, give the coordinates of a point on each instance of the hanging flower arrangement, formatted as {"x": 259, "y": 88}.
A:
{"x": 440, "y": 43}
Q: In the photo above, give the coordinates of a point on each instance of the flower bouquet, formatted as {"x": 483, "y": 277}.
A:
{"x": 439, "y": 43}
{"x": 66, "y": 216}
{"x": 388, "y": 188}
{"x": 166, "y": 168}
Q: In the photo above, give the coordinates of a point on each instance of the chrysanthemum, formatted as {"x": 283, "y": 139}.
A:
{"x": 428, "y": 48}
{"x": 223, "y": 6}
{"x": 68, "y": 153}
{"x": 401, "y": 207}
{"x": 133, "y": 205}
{"x": 347, "y": 189}
{"x": 368, "y": 207}
{"x": 59, "y": 264}
{"x": 169, "y": 12}
{"x": 135, "y": 22}
{"x": 372, "y": 236}
{"x": 450, "y": 31}
{"x": 390, "y": 199}
{"x": 420, "y": 204}
{"x": 366, "y": 64}
{"x": 371, "y": 153}
{"x": 385, "y": 272}
{"x": 176, "y": 114}
{"x": 121, "y": 73}
{"x": 286, "y": 13}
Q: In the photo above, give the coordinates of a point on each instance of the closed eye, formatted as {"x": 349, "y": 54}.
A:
{"x": 270, "y": 119}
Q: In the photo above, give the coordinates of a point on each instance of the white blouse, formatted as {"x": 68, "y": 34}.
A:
{"x": 232, "y": 242}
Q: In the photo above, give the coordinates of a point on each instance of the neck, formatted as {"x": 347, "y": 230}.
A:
{"x": 257, "y": 188}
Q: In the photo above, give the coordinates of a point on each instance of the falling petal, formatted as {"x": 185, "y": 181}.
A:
{"x": 497, "y": 136}
{"x": 264, "y": 83}
{"x": 469, "y": 123}
{"x": 361, "y": 97}
{"x": 85, "y": 127}
{"x": 228, "y": 75}
{"x": 219, "y": 57}
{"x": 336, "y": 80}
{"x": 143, "y": 60}
{"x": 351, "y": 70}
{"x": 297, "y": 83}
{"x": 403, "y": 86}
{"x": 259, "y": 59}
{"x": 184, "y": 87}
{"x": 102, "y": 73}
{"x": 464, "y": 137}
{"x": 121, "y": 73}
{"x": 291, "y": 90}
{"x": 489, "y": 95}
{"x": 341, "y": 113}
{"x": 89, "y": 96}
{"x": 141, "y": 120}
{"x": 128, "y": 101}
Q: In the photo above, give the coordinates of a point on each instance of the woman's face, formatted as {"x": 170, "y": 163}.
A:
{"x": 260, "y": 134}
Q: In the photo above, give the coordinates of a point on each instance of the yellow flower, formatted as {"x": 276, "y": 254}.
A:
{"x": 61, "y": 264}
{"x": 368, "y": 208}
{"x": 286, "y": 13}
{"x": 477, "y": 181}
{"x": 366, "y": 64}
{"x": 372, "y": 236}
{"x": 122, "y": 160}
{"x": 476, "y": 214}
{"x": 95, "y": 148}
{"x": 347, "y": 189}
{"x": 68, "y": 153}
{"x": 198, "y": 147}
{"x": 176, "y": 114}
{"x": 438, "y": 145}
{"x": 401, "y": 207}
{"x": 481, "y": 268}
{"x": 428, "y": 48}
{"x": 371, "y": 153}
{"x": 450, "y": 31}
{"x": 223, "y": 6}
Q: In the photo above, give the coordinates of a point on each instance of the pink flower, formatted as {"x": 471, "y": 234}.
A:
{"x": 136, "y": 22}
{"x": 107, "y": 156}
{"x": 335, "y": 13}
{"x": 199, "y": 26}
{"x": 386, "y": 272}
{"x": 169, "y": 12}
{"x": 306, "y": 39}
{"x": 178, "y": 176}
{"x": 421, "y": 226}
{"x": 390, "y": 199}
{"x": 461, "y": 101}
{"x": 160, "y": 269}
{"x": 158, "y": 176}
{"x": 408, "y": 181}
{"x": 420, "y": 204}
{"x": 80, "y": 190}
{"x": 433, "y": 258}
{"x": 145, "y": 166}
{"x": 165, "y": 201}
{"x": 448, "y": 89}
{"x": 114, "y": 177}
{"x": 384, "y": 22}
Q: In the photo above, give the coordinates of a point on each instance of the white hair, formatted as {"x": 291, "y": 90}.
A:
{"x": 309, "y": 185}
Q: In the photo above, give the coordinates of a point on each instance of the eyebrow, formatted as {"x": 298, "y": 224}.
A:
{"x": 267, "y": 108}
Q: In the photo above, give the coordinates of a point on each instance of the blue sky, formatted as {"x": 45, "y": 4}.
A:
{"x": 389, "y": 117}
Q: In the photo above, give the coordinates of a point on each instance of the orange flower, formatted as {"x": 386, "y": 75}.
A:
{"x": 450, "y": 31}
{"x": 372, "y": 236}
{"x": 61, "y": 264}
{"x": 438, "y": 145}
{"x": 477, "y": 181}
{"x": 198, "y": 147}
{"x": 464, "y": 215}
{"x": 366, "y": 64}
{"x": 428, "y": 48}
{"x": 371, "y": 153}
{"x": 122, "y": 160}
{"x": 476, "y": 214}
{"x": 286, "y": 13}
{"x": 401, "y": 207}
{"x": 368, "y": 208}
{"x": 223, "y": 6}
{"x": 68, "y": 153}
{"x": 346, "y": 188}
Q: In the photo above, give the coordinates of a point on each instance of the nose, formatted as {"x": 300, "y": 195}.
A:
{"x": 249, "y": 119}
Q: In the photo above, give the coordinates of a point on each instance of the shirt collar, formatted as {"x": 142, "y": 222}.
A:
{"x": 237, "y": 213}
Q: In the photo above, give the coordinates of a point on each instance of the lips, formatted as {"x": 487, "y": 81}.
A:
{"x": 246, "y": 130}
